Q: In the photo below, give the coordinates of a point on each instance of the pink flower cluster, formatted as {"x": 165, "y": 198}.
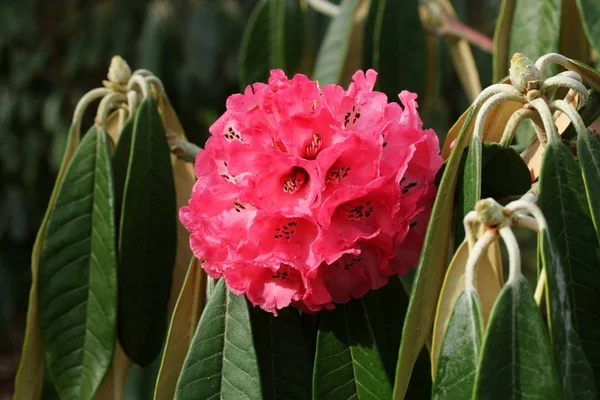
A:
{"x": 309, "y": 196}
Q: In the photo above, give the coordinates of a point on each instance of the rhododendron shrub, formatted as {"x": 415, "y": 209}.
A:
{"x": 311, "y": 195}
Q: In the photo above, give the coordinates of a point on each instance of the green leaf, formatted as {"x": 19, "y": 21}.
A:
{"x": 590, "y": 13}
{"x": 254, "y": 58}
{"x": 471, "y": 183}
{"x": 535, "y": 28}
{"x": 280, "y": 344}
{"x": 184, "y": 320}
{"x": 503, "y": 174}
{"x": 222, "y": 361}
{"x": 30, "y": 374}
{"x": 502, "y": 39}
{"x": 398, "y": 36}
{"x": 588, "y": 148}
{"x": 386, "y": 309}
{"x": 332, "y": 54}
{"x": 77, "y": 273}
{"x": 588, "y": 74}
{"x": 576, "y": 376}
{"x": 147, "y": 238}
{"x": 347, "y": 362}
{"x": 431, "y": 269}
{"x": 120, "y": 162}
{"x": 457, "y": 363}
{"x": 564, "y": 204}
{"x": 273, "y": 38}
{"x": 516, "y": 359}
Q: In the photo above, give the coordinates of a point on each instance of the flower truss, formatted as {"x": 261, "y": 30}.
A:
{"x": 311, "y": 196}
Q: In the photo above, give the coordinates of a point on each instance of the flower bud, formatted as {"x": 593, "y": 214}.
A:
{"x": 522, "y": 71}
{"x": 490, "y": 212}
{"x": 119, "y": 72}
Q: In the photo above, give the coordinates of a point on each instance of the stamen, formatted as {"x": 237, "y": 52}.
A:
{"x": 313, "y": 148}
{"x": 297, "y": 178}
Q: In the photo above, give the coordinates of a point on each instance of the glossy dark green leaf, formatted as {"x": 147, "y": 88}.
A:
{"x": 535, "y": 28}
{"x": 273, "y": 38}
{"x": 147, "y": 238}
{"x": 503, "y": 174}
{"x": 386, "y": 308}
{"x": 576, "y": 376}
{"x": 516, "y": 359}
{"x": 120, "y": 162}
{"x": 588, "y": 149}
{"x": 222, "y": 360}
{"x": 332, "y": 54}
{"x": 398, "y": 48}
{"x": 77, "y": 273}
{"x": 564, "y": 204}
{"x": 459, "y": 354}
{"x": 590, "y": 14}
{"x": 471, "y": 182}
{"x": 348, "y": 363}
{"x": 280, "y": 344}
{"x": 431, "y": 269}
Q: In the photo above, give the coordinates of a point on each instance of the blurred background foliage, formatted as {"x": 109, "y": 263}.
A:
{"x": 53, "y": 52}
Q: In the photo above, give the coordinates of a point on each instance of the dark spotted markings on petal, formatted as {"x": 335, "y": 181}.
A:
{"x": 239, "y": 206}
{"x": 232, "y": 134}
{"x": 282, "y": 273}
{"x": 347, "y": 264}
{"x": 286, "y": 230}
{"x": 351, "y": 116}
{"x": 407, "y": 187}
{"x": 295, "y": 180}
{"x": 336, "y": 174}
{"x": 359, "y": 211}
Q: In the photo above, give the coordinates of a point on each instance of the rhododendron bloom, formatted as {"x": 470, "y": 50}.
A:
{"x": 309, "y": 196}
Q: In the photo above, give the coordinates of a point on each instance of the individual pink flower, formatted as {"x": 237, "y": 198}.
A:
{"x": 310, "y": 197}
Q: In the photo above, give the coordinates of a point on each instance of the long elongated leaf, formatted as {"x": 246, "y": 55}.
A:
{"x": 502, "y": 39}
{"x": 503, "y": 173}
{"x": 184, "y": 177}
{"x": 489, "y": 283}
{"x": 588, "y": 148}
{"x": 535, "y": 28}
{"x": 590, "y": 10}
{"x": 573, "y": 40}
{"x": 386, "y": 309}
{"x": 181, "y": 330}
{"x": 284, "y": 358}
{"x": 398, "y": 34}
{"x": 460, "y": 350}
{"x": 348, "y": 363}
{"x": 30, "y": 374}
{"x": 575, "y": 373}
{"x": 462, "y": 56}
{"x": 273, "y": 38}
{"x": 331, "y": 57}
{"x": 77, "y": 273}
{"x": 516, "y": 359}
{"x": 430, "y": 271}
{"x": 564, "y": 203}
{"x": 222, "y": 360}
{"x": 147, "y": 239}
